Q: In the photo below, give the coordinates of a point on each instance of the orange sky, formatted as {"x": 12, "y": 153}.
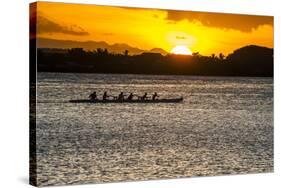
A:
{"x": 206, "y": 33}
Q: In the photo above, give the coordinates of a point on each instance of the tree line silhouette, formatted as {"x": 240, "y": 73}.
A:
{"x": 247, "y": 61}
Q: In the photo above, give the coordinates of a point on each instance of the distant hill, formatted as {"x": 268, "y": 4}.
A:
{"x": 251, "y": 54}
{"x": 253, "y": 59}
{"x": 93, "y": 45}
{"x": 158, "y": 50}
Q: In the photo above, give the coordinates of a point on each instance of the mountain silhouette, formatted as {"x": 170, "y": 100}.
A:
{"x": 93, "y": 45}
{"x": 158, "y": 50}
{"x": 246, "y": 61}
{"x": 253, "y": 59}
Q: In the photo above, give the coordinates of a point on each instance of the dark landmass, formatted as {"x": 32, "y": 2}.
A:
{"x": 93, "y": 45}
{"x": 247, "y": 61}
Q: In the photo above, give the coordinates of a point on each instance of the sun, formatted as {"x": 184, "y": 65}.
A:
{"x": 181, "y": 50}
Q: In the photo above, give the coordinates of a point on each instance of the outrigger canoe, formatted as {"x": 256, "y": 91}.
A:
{"x": 175, "y": 100}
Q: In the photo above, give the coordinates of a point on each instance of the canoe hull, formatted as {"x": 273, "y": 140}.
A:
{"x": 176, "y": 100}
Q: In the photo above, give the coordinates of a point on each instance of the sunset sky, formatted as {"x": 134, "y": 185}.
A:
{"x": 206, "y": 33}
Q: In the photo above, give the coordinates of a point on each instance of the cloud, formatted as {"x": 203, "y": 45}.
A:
{"x": 243, "y": 23}
{"x": 180, "y": 37}
{"x": 45, "y": 25}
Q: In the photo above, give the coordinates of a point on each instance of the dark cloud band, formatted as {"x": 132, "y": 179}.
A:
{"x": 243, "y": 23}
{"x": 45, "y": 25}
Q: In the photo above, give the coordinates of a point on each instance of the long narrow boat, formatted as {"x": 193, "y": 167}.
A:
{"x": 175, "y": 100}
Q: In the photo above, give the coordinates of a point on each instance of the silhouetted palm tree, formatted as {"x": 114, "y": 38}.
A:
{"x": 126, "y": 52}
{"x": 221, "y": 56}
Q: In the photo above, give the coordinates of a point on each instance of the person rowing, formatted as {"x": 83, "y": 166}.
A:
{"x": 121, "y": 96}
{"x": 130, "y": 97}
{"x": 144, "y": 97}
{"x": 154, "y": 96}
{"x": 93, "y": 96}
{"x": 105, "y": 96}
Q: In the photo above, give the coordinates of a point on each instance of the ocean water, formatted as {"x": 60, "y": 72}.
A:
{"x": 223, "y": 126}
